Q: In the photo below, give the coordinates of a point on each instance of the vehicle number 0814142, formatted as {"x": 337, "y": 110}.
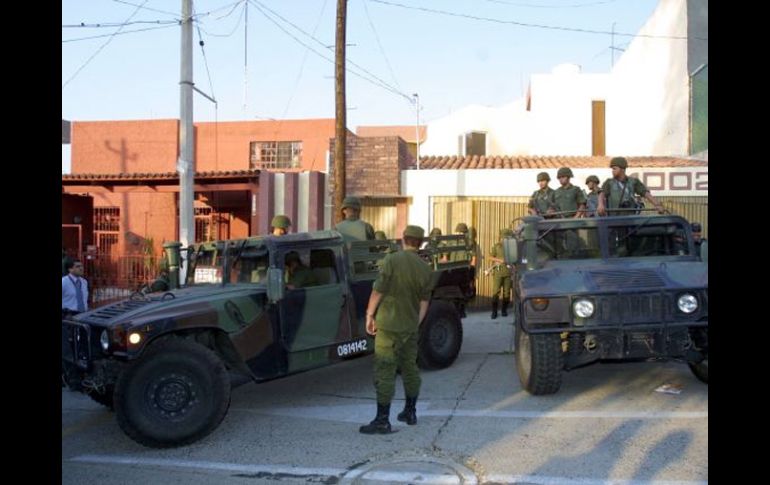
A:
{"x": 351, "y": 348}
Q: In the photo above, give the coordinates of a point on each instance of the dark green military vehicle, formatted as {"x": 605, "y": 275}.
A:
{"x": 606, "y": 288}
{"x": 166, "y": 361}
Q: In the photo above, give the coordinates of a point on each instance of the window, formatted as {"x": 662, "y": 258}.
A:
{"x": 580, "y": 243}
{"x": 597, "y": 128}
{"x": 475, "y": 143}
{"x": 648, "y": 240}
{"x": 107, "y": 229}
{"x": 275, "y": 154}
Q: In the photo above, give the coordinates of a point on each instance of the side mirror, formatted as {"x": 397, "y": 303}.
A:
{"x": 704, "y": 251}
{"x": 275, "y": 286}
{"x": 510, "y": 250}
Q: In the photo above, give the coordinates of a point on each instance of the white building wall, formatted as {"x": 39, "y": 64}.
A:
{"x": 647, "y": 106}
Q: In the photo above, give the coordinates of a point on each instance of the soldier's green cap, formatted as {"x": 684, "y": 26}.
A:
{"x": 592, "y": 178}
{"x": 564, "y": 172}
{"x": 543, "y": 176}
{"x": 380, "y": 235}
{"x": 414, "y": 231}
{"x": 506, "y": 232}
{"x": 435, "y": 231}
{"x": 619, "y": 162}
{"x": 461, "y": 227}
{"x": 281, "y": 221}
{"x": 352, "y": 202}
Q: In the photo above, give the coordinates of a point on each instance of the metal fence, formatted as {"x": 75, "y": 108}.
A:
{"x": 115, "y": 277}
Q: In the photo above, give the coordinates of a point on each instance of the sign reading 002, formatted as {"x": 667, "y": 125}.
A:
{"x": 350, "y": 348}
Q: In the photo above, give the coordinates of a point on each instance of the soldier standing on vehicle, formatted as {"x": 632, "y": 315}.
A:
{"x": 280, "y": 225}
{"x": 696, "y": 229}
{"x": 570, "y": 201}
{"x": 501, "y": 275}
{"x": 618, "y": 192}
{"x": 398, "y": 303}
{"x": 542, "y": 203}
{"x": 592, "y": 197}
{"x": 353, "y": 228}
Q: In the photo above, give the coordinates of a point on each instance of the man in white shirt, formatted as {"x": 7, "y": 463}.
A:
{"x": 74, "y": 289}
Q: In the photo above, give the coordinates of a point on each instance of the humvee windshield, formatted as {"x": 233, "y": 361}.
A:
{"x": 580, "y": 243}
{"x": 205, "y": 265}
{"x": 647, "y": 239}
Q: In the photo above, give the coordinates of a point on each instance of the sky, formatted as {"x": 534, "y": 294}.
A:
{"x": 262, "y": 59}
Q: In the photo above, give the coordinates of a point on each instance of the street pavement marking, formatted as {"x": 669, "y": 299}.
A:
{"x": 354, "y": 413}
{"x": 374, "y": 475}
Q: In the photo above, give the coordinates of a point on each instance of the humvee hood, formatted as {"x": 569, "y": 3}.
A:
{"x": 579, "y": 278}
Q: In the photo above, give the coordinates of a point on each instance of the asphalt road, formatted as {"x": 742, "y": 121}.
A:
{"x": 607, "y": 425}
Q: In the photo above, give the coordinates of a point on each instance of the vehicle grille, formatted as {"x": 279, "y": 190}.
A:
{"x": 639, "y": 278}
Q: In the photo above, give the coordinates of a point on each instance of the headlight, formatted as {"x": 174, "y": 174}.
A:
{"x": 134, "y": 338}
{"x": 687, "y": 303}
{"x": 104, "y": 339}
{"x": 583, "y": 308}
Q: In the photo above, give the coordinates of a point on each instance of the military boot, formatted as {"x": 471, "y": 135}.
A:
{"x": 409, "y": 414}
{"x": 380, "y": 424}
{"x": 504, "y": 311}
{"x": 495, "y": 301}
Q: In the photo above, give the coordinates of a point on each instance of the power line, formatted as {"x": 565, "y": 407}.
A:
{"x": 104, "y": 45}
{"x": 538, "y": 26}
{"x": 205, "y": 61}
{"x": 379, "y": 82}
{"x": 237, "y": 24}
{"x": 382, "y": 50}
{"x": 117, "y": 24}
{"x": 119, "y": 33}
{"x": 175, "y": 14}
{"x": 532, "y": 5}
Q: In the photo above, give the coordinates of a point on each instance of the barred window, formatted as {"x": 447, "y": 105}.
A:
{"x": 275, "y": 154}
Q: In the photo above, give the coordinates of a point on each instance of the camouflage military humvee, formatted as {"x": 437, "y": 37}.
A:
{"x": 606, "y": 288}
{"x": 165, "y": 360}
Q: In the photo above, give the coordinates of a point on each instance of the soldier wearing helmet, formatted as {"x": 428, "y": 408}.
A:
{"x": 353, "y": 228}
{"x": 570, "y": 201}
{"x": 541, "y": 202}
{"x": 280, "y": 225}
{"x": 619, "y": 191}
{"x": 501, "y": 275}
{"x": 592, "y": 197}
{"x": 398, "y": 303}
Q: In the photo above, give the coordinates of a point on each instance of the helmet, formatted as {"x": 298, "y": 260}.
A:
{"x": 695, "y": 227}
{"x": 435, "y": 232}
{"x": 619, "y": 162}
{"x": 281, "y": 221}
{"x": 414, "y": 231}
{"x": 461, "y": 227}
{"x": 380, "y": 235}
{"x": 352, "y": 202}
{"x": 564, "y": 172}
{"x": 543, "y": 176}
{"x": 592, "y": 178}
{"x": 506, "y": 232}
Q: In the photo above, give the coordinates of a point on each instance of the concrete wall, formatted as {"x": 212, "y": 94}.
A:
{"x": 648, "y": 103}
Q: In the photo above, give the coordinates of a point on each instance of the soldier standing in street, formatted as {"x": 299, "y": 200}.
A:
{"x": 398, "y": 303}
{"x": 542, "y": 203}
{"x": 592, "y": 197}
{"x": 280, "y": 225}
{"x": 618, "y": 192}
{"x": 353, "y": 228}
{"x": 501, "y": 275}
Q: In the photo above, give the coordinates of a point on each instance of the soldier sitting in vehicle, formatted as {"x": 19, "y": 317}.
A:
{"x": 298, "y": 275}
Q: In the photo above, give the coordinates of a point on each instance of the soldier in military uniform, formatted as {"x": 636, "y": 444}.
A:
{"x": 570, "y": 200}
{"x": 619, "y": 191}
{"x": 592, "y": 196}
{"x": 299, "y": 275}
{"x": 353, "y": 228}
{"x": 501, "y": 275}
{"x": 434, "y": 245}
{"x": 541, "y": 203}
{"x": 280, "y": 225}
{"x": 696, "y": 229}
{"x": 398, "y": 303}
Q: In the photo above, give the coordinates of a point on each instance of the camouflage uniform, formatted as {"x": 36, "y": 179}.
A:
{"x": 501, "y": 277}
{"x": 613, "y": 189}
{"x": 403, "y": 282}
{"x": 542, "y": 199}
{"x": 568, "y": 198}
{"x": 592, "y": 197}
{"x": 353, "y": 228}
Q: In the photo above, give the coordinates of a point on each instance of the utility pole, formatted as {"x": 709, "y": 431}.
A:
{"x": 185, "y": 166}
{"x": 341, "y": 112}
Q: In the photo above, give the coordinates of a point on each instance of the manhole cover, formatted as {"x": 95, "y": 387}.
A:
{"x": 411, "y": 470}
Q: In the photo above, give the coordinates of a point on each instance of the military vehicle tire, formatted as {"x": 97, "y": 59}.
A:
{"x": 177, "y": 393}
{"x": 104, "y": 398}
{"x": 441, "y": 335}
{"x": 701, "y": 369}
{"x": 539, "y": 361}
